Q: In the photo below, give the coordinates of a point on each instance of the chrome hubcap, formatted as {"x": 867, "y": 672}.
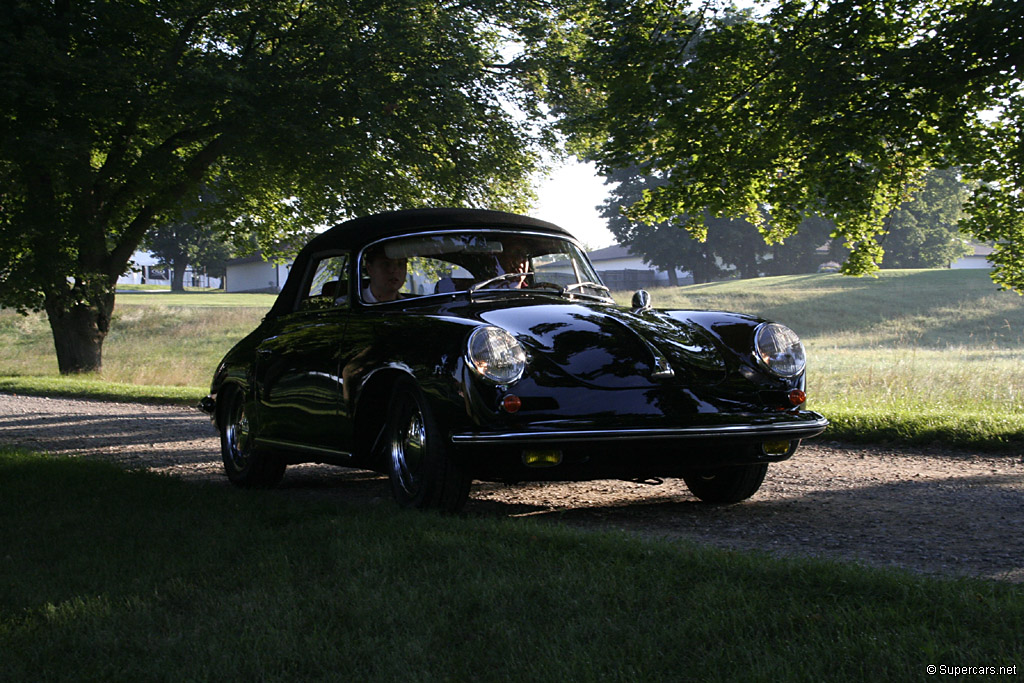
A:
{"x": 237, "y": 435}
{"x": 408, "y": 450}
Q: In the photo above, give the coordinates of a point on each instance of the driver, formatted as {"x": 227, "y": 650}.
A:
{"x": 514, "y": 258}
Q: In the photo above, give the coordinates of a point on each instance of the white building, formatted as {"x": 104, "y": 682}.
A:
{"x": 253, "y": 274}
{"x": 976, "y": 259}
{"x": 622, "y": 270}
{"x": 146, "y": 269}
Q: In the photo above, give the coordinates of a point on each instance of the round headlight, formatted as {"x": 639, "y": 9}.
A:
{"x": 779, "y": 350}
{"x": 496, "y": 354}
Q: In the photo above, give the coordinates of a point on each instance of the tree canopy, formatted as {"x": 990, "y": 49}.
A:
{"x": 924, "y": 232}
{"x": 828, "y": 108}
{"x": 199, "y": 236}
{"x": 733, "y": 247}
{"x": 113, "y": 112}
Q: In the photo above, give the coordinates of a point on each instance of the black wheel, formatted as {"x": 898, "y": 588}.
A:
{"x": 422, "y": 476}
{"x": 726, "y": 485}
{"x": 245, "y": 465}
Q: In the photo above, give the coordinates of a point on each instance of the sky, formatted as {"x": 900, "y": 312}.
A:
{"x": 569, "y": 197}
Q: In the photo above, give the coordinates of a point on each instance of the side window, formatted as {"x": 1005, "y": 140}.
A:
{"x": 328, "y": 287}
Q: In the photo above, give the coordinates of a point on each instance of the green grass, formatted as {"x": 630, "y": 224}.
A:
{"x": 154, "y": 340}
{"x": 100, "y": 390}
{"x": 204, "y": 298}
{"x": 114, "y": 575}
{"x": 912, "y": 356}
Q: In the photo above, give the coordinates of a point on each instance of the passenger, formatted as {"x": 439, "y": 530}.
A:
{"x": 387, "y": 276}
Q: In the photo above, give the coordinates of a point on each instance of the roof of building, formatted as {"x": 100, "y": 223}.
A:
{"x": 616, "y": 251}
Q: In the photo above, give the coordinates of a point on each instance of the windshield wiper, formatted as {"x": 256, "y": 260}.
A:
{"x": 570, "y": 289}
{"x": 495, "y": 279}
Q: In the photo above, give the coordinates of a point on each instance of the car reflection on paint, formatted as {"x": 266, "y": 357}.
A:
{"x": 490, "y": 368}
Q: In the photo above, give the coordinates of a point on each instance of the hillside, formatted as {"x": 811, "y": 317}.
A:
{"x": 923, "y": 308}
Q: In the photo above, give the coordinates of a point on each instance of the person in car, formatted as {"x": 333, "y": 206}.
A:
{"x": 387, "y": 276}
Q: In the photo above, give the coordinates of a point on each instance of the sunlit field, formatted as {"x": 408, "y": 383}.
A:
{"x": 165, "y": 339}
{"x": 937, "y": 338}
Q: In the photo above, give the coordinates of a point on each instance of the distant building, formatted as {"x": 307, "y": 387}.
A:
{"x": 978, "y": 258}
{"x": 146, "y": 269}
{"x": 253, "y": 274}
{"x": 622, "y": 270}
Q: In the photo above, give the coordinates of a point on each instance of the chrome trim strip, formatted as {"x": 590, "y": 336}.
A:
{"x": 794, "y": 429}
{"x": 293, "y": 446}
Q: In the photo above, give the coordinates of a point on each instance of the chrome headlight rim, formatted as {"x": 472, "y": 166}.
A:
{"x": 496, "y": 355}
{"x": 771, "y": 358}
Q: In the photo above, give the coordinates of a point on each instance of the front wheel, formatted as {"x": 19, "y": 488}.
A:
{"x": 421, "y": 473}
{"x": 726, "y": 485}
{"x": 244, "y": 465}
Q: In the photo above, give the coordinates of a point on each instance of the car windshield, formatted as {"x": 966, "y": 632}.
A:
{"x": 488, "y": 261}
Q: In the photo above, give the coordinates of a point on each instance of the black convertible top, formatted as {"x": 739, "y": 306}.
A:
{"x": 358, "y": 232}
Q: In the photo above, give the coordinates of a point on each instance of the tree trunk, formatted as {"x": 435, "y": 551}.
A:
{"x": 178, "y": 275}
{"x": 701, "y": 268}
{"x": 78, "y": 332}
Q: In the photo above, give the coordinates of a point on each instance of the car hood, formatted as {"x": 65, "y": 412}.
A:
{"x": 613, "y": 347}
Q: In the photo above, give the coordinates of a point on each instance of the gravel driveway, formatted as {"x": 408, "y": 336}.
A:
{"x": 927, "y": 510}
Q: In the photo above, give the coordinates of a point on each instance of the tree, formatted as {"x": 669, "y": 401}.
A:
{"x": 832, "y": 109}
{"x": 112, "y": 113}
{"x": 924, "y": 232}
{"x": 733, "y": 247}
{"x": 198, "y": 236}
{"x": 663, "y": 245}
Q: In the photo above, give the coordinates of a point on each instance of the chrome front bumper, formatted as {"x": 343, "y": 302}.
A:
{"x": 750, "y": 431}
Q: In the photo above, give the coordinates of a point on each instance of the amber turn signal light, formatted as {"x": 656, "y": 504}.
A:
{"x": 511, "y": 403}
{"x": 797, "y": 397}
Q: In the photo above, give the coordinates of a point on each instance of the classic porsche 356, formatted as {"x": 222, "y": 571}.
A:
{"x": 487, "y": 348}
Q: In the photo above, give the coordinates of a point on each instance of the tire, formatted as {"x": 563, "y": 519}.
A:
{"x": 421, "y": 473}
{"x": 726, "y": 485}
{"x": 244, "y": 464}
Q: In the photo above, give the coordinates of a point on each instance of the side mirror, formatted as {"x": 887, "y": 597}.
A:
{"x": 641, "y": 301}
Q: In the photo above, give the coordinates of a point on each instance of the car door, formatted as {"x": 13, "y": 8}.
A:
{"x": 298, "y": 365}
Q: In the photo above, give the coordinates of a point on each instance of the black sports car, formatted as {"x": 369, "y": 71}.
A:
{"x": 445, "y": 345}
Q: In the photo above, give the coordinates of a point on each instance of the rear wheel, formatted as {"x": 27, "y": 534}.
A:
{"x": 422, "y": 475}
{"x": 726, "y": 485}
{"x": 244, "y": 464}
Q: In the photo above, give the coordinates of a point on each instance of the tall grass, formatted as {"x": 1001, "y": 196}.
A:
{"x": 155, "y": 339}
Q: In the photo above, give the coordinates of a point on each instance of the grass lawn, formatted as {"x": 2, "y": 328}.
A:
{"x": 114, "y": 575}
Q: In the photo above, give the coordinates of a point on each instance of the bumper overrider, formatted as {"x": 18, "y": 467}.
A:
{"x": 559, "y": 450}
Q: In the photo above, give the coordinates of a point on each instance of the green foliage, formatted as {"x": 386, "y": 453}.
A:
{"x": 199, "y": 236}
{"x": 284, "y": 587}
{"x": 112, "y": 113}
{"x": 835, "y": 109}
{"x": 730, "y": 247}
{"x": 924, "y": 232}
